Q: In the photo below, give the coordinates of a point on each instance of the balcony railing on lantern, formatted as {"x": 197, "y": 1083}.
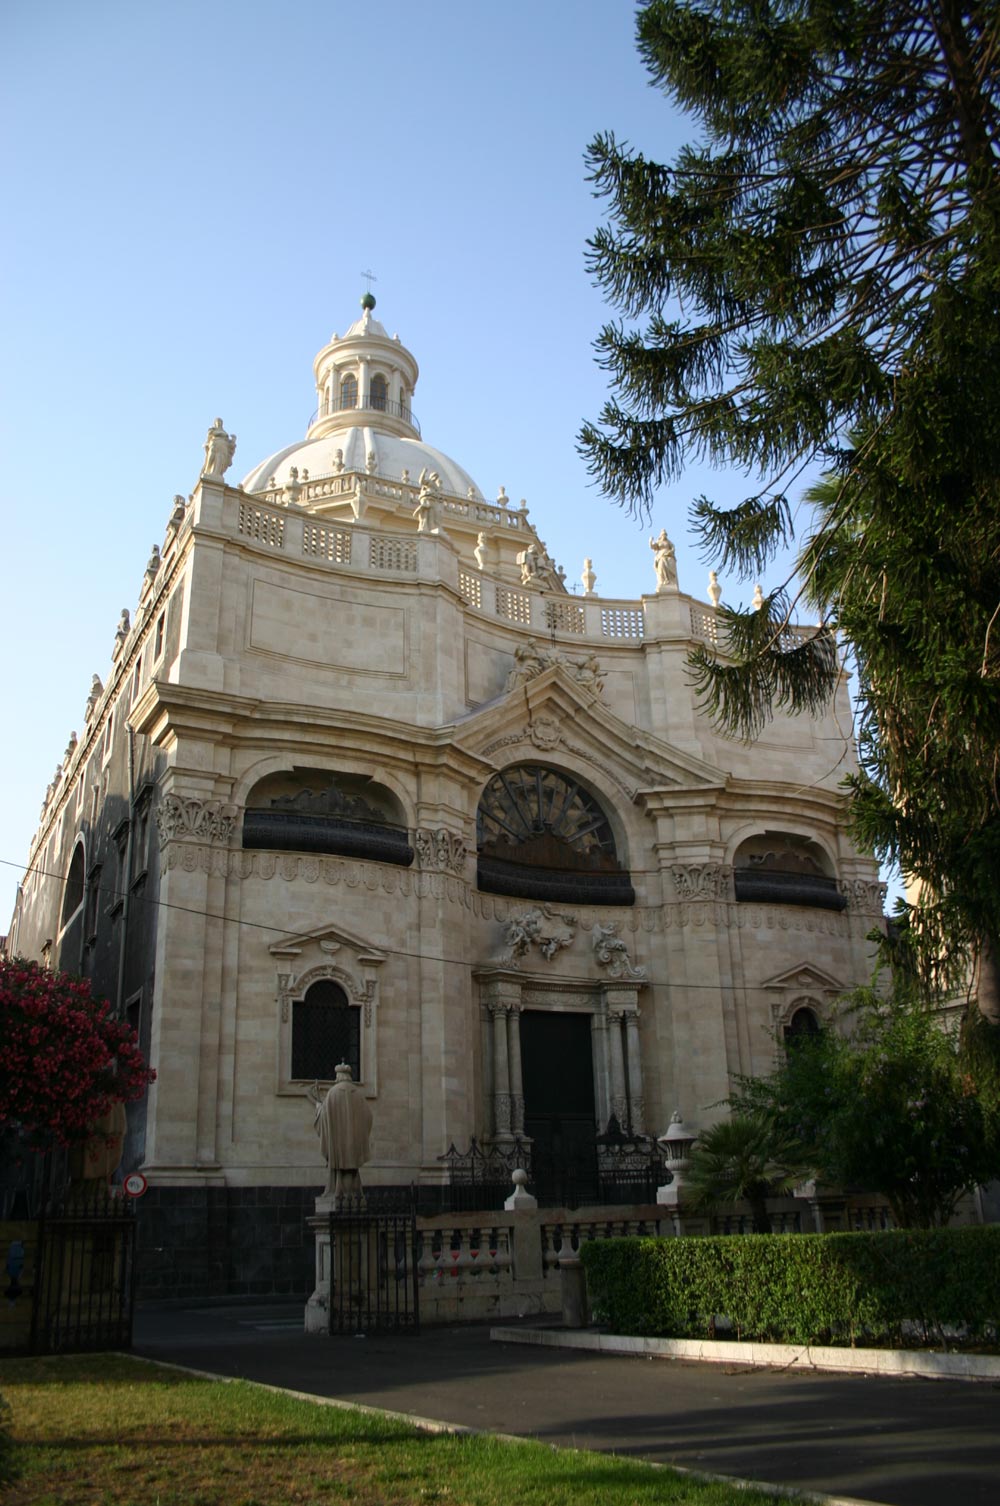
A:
{"x": 373, "y": 403}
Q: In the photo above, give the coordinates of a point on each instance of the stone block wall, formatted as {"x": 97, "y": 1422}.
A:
{"x": 195, "y": 1242}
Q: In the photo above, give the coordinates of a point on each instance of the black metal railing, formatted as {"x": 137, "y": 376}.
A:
{"x": 369, "y": 404}
{"x": 85, "y": 1272}
{"x": 607, "y": 1172}
{"x": 771, "y": 886}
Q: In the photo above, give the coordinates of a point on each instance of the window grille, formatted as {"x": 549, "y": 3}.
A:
{"x": 326, "y": 1030}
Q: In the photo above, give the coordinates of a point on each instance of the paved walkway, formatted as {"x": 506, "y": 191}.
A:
{"x": 902, "y": 1442}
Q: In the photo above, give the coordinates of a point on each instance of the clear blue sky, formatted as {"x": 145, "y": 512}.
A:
{"x": 191, "y": 193}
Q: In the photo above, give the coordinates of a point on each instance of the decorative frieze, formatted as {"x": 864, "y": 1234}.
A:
{"x": 186, "y": 818}
{"x": 440, "y": 848}
{"x": 385, "y": 878}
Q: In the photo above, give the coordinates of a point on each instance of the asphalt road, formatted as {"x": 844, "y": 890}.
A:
{"x": 904, "y": 1442}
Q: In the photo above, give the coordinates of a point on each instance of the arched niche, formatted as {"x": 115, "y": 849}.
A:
{"x": 785, "y": 868}
{"x": 315, "y": 810}
{"x": 541, "y": 834}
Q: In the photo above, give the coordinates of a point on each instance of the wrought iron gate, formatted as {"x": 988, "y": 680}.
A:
{"x": 85, "y": 1274}
{"x": 373, "y": 1266}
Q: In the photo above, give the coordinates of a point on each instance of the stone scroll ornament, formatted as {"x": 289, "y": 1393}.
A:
{"x": 611, "y": 952}
{"x": 183, "y": 817}
{"x": 220, "y": 448}
{"x": 541, "y": 928}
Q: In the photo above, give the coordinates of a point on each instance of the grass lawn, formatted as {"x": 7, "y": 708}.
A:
{"x": 95, "y": 1429}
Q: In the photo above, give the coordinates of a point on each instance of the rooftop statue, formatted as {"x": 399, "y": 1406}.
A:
{"x": 664, "y": 561}
{"x": 220, "y": 448}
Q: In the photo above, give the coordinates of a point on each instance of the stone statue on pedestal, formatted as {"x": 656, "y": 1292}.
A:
{"x": 343, "y": 1122}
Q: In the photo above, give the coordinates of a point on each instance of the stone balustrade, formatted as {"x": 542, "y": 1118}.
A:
{"x": 507, "y": 1263}
{"x": 262, "y": 524}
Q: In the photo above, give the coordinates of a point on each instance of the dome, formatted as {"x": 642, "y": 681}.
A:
{"x": 348, "y": 449}
{"x": 364, "y": 386}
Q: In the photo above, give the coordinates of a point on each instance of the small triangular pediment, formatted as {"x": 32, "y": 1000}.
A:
{"x": 328, "y": 940}
{"x": 805, "y": 976}
{"x": 553, "y": 714}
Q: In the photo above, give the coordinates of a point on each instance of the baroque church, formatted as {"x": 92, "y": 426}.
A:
{"x": 366, "y": 782}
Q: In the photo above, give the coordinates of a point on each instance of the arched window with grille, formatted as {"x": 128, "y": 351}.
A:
{"x": 542, "y": 835}
{"x": 349, "y": 391}
{"x": 379, "y": 392}
{"x": 326, "y": 1030}
{"x": 784, "y": 868}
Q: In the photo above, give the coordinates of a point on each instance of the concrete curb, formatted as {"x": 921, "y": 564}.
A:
{"x": 896, "y": 1362}
{"x": 433, "y": 1425}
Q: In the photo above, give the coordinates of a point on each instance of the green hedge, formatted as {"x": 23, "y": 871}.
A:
{"x": 800, "y": 1288}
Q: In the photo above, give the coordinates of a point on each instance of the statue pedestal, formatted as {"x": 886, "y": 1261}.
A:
{"x": 317, "y": 1315}
{"x": 346, "y": 1261}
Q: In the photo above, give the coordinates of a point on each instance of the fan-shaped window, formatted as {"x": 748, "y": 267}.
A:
{"x": 541, "y": 835}
{"x": 349, "y": 391}
{"x": 73, "y": 892}
{"x": 326, "y": 1030}
{"x": 312, "y": 810}
{"x": 780, "y": 868}
{"x": 379, "y": 392}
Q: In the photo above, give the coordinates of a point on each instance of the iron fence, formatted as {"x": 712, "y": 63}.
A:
{"x": 84, "y": 1285}
{"x": 373, "y": 1266}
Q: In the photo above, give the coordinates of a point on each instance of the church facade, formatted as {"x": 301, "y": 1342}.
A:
{"x": 366, "y": 782}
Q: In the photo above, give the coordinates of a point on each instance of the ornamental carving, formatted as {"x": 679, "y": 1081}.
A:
{"x": 546, "y": 930}
{"x": 611, "y": 952}
{"x": 701, "y": 881}
{"x": 545, "y": 731}
{"x": 440, "y": 848}
{"x": 864, "y": 894}
{"x": 186, "y": 818}
{"x": 530, "y": 661}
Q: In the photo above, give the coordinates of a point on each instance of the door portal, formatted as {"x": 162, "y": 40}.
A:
{"x": 559, "y": 1111}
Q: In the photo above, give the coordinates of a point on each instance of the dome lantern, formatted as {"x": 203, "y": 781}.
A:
{"x": 365, "y": 376}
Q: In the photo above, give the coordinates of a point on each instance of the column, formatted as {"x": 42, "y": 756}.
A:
{"x": 515, "y": 1079}
{"x": 634, "y": 1063}
{"x": 501, "y": 1072}
{"x": 619, "y": 1096}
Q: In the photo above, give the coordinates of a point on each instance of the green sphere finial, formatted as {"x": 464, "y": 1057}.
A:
{"x": 368, "y": 300}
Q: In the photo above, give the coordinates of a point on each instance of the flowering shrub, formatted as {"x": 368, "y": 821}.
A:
{"x": 64, "y": 1059}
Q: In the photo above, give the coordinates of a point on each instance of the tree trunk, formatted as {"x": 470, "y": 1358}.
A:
{"x": 988, "y": 981}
